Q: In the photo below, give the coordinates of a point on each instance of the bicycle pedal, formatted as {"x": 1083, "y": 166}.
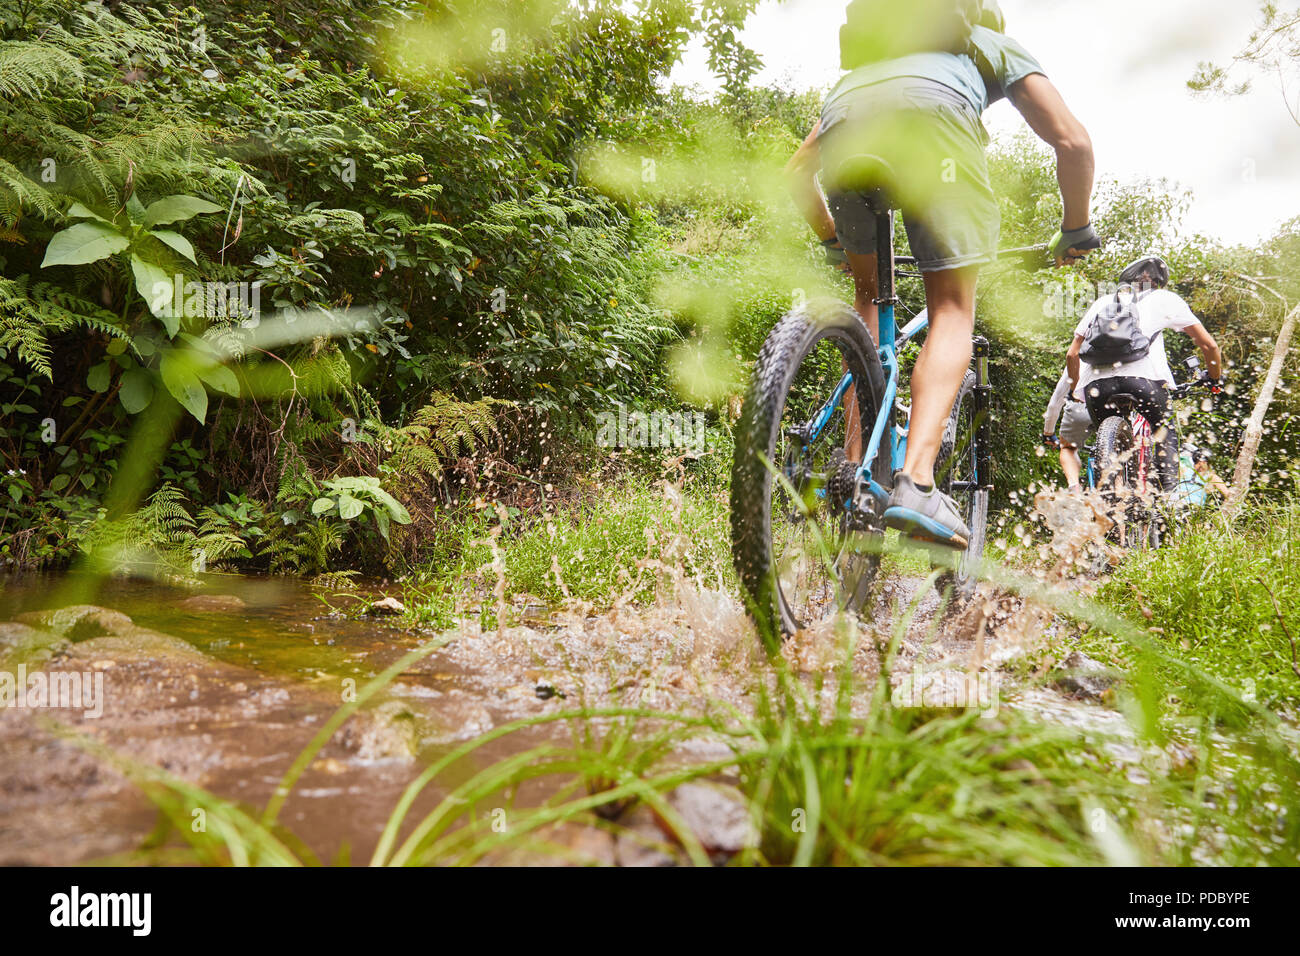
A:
{"x": 957, "y": 545}
{"x": 924, "y": 542}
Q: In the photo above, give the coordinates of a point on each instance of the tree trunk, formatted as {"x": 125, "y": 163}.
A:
{"x": 1255, "y": 427}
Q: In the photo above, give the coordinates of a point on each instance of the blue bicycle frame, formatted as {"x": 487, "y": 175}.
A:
{"x": 891, "y": 340}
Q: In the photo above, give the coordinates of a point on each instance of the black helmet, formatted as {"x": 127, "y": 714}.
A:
{"x": 1201, "y": 454}
{"x": 1154, "y": 266}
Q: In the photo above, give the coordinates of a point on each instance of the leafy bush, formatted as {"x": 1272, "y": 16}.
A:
{"x": 407, "y": 227}
{"x": 1223, "y": 597}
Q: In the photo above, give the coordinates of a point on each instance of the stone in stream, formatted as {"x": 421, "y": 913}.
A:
{"x": 213, "y": 602}
{"x": 80, "y": 622}
{"x": 640, "y": 841}
{"x": 24, "y": 644}
{"x": 387, "y": 732}
{"x": 716, "y": 815}
{"x": 1084, "y": 677}
{"x": 386, "y": 605}
{"x": 138, "y": 644}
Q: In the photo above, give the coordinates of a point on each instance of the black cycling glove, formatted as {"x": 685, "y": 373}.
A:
{"x": 835, "y": 255}
{"x": 1083, "y": 238}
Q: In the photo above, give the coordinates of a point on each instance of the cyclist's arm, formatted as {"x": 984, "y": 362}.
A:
{"x": 1218, "y": 484}
{"x": 1056, "y": 405}
{"x": 801, "y": 179}
{"x": 1045, "y": 111}
{"x": 1073, "y": 362}
{"x": 1209, "y": 349}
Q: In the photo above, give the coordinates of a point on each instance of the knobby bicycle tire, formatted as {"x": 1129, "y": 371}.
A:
{"x": 759, "y": 429}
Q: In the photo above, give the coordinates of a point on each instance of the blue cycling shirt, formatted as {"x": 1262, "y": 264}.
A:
{"x": 1004, "y": 62}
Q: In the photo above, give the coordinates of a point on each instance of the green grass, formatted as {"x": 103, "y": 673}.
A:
{"x": 625, "y": 545}
{"x": 1209, "y": 598}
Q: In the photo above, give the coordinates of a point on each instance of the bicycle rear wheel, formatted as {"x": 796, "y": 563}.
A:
{"x": 799, "y": 553}
{"x": 1117, "y": 478}
{"x": 957, "y": 474}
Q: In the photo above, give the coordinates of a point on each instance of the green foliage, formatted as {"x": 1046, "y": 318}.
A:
{"x": 1273, "y": 47}
{"x": 630, "y": 545}
{"x": 438, "y": 433}
{"x": 425, "y": 215}
{"x": 350, "y": 498}
{"x": 1223, "y": 597}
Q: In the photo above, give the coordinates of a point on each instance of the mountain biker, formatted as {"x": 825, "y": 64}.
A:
{"x": 1074, "y": 429}
{"x": 918, "y": 114}
{"x": 1196, "y": 478}
{"x": 1148, "y": 377}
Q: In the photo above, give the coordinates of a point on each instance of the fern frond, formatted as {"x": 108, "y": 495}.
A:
{"x": 30, "y": 69}
{"x": 26, "y": 195}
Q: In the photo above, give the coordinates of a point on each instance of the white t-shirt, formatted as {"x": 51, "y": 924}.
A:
{"x": 1158, "y": 311}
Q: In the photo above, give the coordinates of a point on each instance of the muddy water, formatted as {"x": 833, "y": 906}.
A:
{"x": 225, "y": 691}
{"x": 220, "y": 692}
{"x": 282, "y": 627}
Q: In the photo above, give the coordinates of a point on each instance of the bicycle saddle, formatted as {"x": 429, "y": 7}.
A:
{"x": 869, "y": 175}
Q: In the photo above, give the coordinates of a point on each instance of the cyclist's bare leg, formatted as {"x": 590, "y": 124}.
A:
{"x": 864, "y": 294}
{"x": 950, "y": 298}
{"x": 1071, "y": 464}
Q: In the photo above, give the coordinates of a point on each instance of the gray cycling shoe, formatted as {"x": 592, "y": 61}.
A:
{"x": 931, "y": 516}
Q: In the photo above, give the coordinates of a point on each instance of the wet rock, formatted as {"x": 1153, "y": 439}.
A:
{"x": 388, "y": 732}
{"x": 23, "y": 644}
{"x": 937, "y": 691}
{"x": 459, "y": 721}
{"x": 386, "y": 606}
{"x": 716, "y": 815}
{"x": 218, "y": 603}
{"x": 80, "y": 622}
{"x": 1084, "y": 677}
{"x": 640, "y": 842}
{"x": 138, "y": 644}
{"x": 577, "y": 845}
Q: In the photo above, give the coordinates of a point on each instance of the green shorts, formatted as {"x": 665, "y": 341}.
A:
{"x": 934, "y": 144}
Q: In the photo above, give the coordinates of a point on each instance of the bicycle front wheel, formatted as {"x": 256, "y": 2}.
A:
{"x": 798, "y": 550}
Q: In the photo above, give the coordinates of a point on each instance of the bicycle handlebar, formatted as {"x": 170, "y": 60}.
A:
{"x": 1028, "y": 255}
{"x": 1183, "y": 389}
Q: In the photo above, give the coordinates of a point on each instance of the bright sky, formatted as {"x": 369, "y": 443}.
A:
{"x": 1122, "y": 66}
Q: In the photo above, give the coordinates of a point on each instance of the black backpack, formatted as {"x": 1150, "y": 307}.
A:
{"x": 1115, "y": 336}
{"x": 886, "y": 29}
